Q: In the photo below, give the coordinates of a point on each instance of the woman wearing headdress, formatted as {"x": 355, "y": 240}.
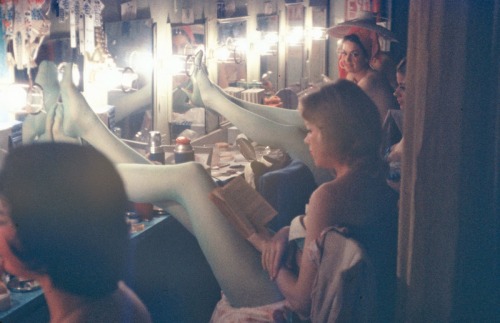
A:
{"x": 359, "y": 54}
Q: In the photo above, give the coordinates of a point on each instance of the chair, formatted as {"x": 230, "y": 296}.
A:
{"x": 345, "y": 287}
{"x": 288, "y": 190}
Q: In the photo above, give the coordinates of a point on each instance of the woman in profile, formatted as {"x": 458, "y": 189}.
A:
{"x": 62, "y": 224}
{"x": 344, "y": 136}
{"x": 394, "y": 152}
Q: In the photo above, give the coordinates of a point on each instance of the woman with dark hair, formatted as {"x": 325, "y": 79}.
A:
{"x": 355, "y": 57}
{"x": 62, "y": 223}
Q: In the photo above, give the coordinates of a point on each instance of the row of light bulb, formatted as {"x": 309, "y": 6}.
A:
{"x": 268, "y": 43}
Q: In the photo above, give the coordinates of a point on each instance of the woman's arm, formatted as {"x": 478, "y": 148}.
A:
{"x": 297, "y": 289}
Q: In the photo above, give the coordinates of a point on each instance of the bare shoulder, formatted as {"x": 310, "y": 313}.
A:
{"x": 372, "y": 80}
{"x": 323, "y": 198}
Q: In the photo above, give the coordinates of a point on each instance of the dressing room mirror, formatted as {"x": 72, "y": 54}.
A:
{"x": 231, "y": 51}
{"x": 316, "y": 48}
{"x": 187, "y": 40}
{"x": 295, "y": 36}
{"x": 130, "y": 43}
{"x": 268, "y": 26}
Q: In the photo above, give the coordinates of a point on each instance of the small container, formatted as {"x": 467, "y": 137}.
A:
{"x": 156, "y": 152}
{"x": 144, "y": 210}
{"x": 183, "y": 151}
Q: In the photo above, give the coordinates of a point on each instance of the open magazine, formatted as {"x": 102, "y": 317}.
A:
{"x": 245, "y": 208}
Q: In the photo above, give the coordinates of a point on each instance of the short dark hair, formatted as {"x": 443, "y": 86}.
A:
{"x": 401, "y": 68}
{"x": 353, "y": 38}
{"x": 349, "y": 122}
{"x": 68, "y": 205}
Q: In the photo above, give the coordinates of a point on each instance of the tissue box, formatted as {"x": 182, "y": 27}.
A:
{"x": 254, "y": 95}
{"x": 234, "y": 91}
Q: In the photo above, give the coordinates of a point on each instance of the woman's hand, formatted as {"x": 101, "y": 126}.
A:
{"x": 272, "y": 249}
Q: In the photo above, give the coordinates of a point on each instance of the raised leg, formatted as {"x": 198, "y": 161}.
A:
{"x": 234, "y": 262}
{"x": 281, "y": 130}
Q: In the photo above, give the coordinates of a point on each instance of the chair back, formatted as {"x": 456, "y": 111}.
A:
{"x": 345, "y": 286}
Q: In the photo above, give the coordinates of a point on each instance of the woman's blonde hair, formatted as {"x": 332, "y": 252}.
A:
{"x": 349, "y": 123}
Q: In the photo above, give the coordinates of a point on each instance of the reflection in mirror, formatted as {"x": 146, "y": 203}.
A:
{"x": 187, "y": 119}
{"x": 269, "y": 29}
{"x": 316, "y": 47}
{"x": 231, "y": 51}
{"x": 294, "y": 46}
{"x": 130, "y": 44}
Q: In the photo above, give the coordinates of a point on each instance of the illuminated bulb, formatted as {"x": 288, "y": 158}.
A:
{"x": 14, "y": 97}
{"x": 113, "y": 78}
{"x": 295, "y": 36}
{"x": 318, "y": 33}
{"x": 141, "y": 62}
{"x": 222, "y": 54}
{"x": 240, "y": 44}
{"x": 34, "y": 100}
{"x": 177, "y": 65}
{"x": 271, "y": 37}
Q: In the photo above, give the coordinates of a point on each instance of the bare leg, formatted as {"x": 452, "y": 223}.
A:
{"x": 256, "y": 122}
{"x": 129, "y": 103}
{"x": 283, "y": 116}
{"x": 234, "y": 262}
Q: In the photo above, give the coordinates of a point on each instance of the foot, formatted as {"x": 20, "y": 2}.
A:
{"x": 78, "y": 115}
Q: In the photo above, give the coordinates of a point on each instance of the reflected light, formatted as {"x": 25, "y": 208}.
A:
{"x": 177, "y": 65}
{"x": 14, "y": 96}
{"x": 318, "y": 33}
{"x": 125, "y": 79}
{"x": 239, "y": 44}
{"x": 233, "y": 50}
{"x": 271, "y": 37}
{"x": 20, "y": 98}
{"x": 222, "y": 54}
{"x": 295, "y": 36}
{"x": 268, "y": 45}
{"x": 141, "y": 62}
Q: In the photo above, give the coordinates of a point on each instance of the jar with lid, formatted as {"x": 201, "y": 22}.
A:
{"x": 156, "y": 152}
{"x": 183, "y": 151}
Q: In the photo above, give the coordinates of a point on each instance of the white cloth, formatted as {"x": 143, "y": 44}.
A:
{"x": 344, "y": 289}
{"x": 225, "y": 313}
